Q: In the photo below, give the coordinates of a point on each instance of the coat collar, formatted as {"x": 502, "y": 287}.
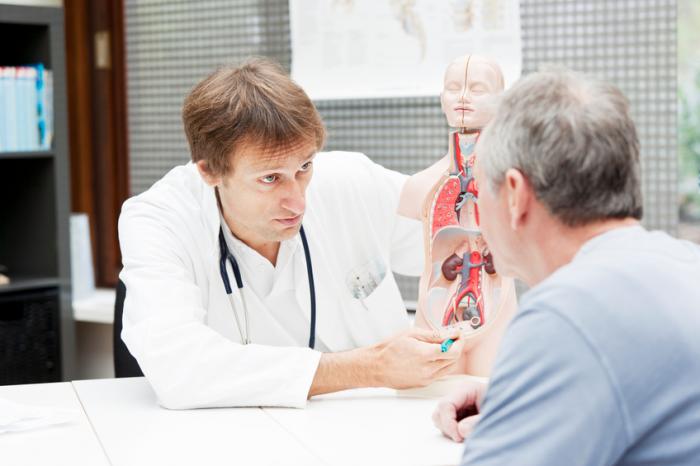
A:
{"x": 207, "y": 201}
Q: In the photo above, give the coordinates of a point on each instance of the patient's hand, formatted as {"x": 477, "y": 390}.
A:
{"x": 456, "y": 415}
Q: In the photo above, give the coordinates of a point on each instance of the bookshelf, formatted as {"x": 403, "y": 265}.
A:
{"x": 30, "y": 154}
{"x": 34, "y": 212}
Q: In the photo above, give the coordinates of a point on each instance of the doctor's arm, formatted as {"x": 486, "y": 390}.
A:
{"x": 409, "y": 359}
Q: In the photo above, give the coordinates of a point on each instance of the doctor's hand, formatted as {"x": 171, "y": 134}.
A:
{"x": 456, "y": 415}
{"x": 413, "y": 358}
{"x": 409, "y": 359}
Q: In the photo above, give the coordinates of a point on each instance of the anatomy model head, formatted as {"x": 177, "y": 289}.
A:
{"x": 468, "y": 96}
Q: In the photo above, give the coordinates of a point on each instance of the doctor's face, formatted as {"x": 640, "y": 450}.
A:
{"x": 264, "y": 198}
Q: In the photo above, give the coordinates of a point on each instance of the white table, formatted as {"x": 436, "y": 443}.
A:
{"x": 370, "y": 427}
{"x": 119, "y": 422}
{"x": 72, "y": 443}
{"x": 134, "y": 430}
{"x": 355, "y": 427}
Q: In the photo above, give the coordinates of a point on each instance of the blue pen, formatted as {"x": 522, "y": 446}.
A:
{"x": 446, "y": 345}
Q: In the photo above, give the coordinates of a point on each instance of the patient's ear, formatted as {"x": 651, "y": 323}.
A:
{"x": 206, "y": 174}
{"x": 519, "y": 196}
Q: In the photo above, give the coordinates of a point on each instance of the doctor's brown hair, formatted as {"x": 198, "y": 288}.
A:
{"x": 253, "y": 105}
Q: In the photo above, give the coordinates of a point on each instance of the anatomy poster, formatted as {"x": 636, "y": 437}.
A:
{"x": 394, "y": 48}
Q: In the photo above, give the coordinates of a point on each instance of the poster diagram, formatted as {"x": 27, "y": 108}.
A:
{"x": 395, "y": 48}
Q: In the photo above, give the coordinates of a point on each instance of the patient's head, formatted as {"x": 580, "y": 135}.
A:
{"x": 470, "y": 86}
{"x": 562, "y": 143}
{"x": 574, "y": 140}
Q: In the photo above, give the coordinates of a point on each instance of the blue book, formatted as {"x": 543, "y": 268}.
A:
{"x": 32, "y": 99}
{"x": 11, "y": 96}
{"x": 22, "y": 109}
{"x": 41, "y": 105}
{"x": 3, "y": 111}
{"x": 48, "y": 107}
{"x": 44, "y": 92}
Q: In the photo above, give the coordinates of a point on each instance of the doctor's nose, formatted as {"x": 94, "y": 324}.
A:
{"x": 294, "y": 198}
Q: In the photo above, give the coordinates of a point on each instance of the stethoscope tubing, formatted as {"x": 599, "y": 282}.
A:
{"x": 225, "y": 254}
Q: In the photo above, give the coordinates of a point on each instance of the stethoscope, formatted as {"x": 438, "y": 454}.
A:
{"x": 225, "y": 253}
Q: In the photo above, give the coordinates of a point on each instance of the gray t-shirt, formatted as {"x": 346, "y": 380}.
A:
{"x": 601, "y": 364}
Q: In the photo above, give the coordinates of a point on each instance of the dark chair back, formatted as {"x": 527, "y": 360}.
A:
{"x": 124, "y": 363}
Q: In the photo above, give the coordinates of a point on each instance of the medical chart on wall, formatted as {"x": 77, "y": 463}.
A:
{"x": 396, "y": 48}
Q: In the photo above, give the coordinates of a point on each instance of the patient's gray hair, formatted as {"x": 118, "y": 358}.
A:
{"x": 572, "y": 137}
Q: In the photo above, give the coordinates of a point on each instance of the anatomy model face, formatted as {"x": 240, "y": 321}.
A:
{"x": 460, "y": 287}
{"x": 470, "y": 85}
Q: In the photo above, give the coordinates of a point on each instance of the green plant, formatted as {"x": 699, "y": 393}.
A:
{"x": 689, "y": 151}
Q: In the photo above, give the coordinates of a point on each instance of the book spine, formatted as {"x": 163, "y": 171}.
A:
{"x": 11, "y": 86}
{"x": 3, "y": 112}
{"x": 32, "y": 111}
{"x": 41, "y": 106}
{"x": 48, "y": 106}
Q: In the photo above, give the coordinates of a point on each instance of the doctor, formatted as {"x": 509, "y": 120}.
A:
{"x": 261, "y": 272}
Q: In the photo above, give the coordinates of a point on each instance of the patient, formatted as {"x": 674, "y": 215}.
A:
{"x": 601, "y": 363}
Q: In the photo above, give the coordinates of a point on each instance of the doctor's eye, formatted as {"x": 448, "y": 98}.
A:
{"x": 307, "y": 166}
{"x": 269, "y": 179}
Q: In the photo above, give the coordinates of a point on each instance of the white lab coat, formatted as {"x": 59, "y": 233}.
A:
{"x": 178, "y": 322}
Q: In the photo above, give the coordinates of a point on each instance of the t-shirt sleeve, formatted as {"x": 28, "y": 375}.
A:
{"x": 551, "y": 400}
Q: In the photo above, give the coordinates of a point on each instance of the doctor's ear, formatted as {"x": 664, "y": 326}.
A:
{"x": 206, "y": 174}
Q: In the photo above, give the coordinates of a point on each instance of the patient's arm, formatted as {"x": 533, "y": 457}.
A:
{"x": 416, "y": 189}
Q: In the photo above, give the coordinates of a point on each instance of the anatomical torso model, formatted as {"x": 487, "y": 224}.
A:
{"x": 459, "y": 286}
